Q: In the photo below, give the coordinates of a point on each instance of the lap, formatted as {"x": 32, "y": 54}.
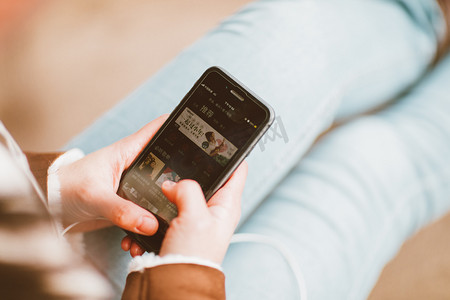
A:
{"x": 347, "y": 207}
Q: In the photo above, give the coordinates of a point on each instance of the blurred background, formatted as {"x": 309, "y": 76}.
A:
{"x": 64, "y": 63}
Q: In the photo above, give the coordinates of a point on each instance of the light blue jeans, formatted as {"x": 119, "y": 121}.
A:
{"x": 346, "y": 207}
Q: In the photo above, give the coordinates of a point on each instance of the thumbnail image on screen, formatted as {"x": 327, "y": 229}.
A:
{"x": 205, "y": 137}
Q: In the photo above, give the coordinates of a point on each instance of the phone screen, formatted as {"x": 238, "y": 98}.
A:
{"x": 204, "y": 139}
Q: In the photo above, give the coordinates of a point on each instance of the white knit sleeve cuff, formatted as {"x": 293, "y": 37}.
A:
{"x": 149, "y": 260}
{"x": 53, "y": 184}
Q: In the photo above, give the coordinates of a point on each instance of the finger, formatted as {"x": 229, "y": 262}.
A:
{"x": 233, "y": 188}
{"x": 133, "y": 144}
{"x": 126, "y": 243}
{"x": 186, "y": 195}
{"x": 128, "y": 215}
{"x": 238, "y": 178}
{"x": 136, "y": 250}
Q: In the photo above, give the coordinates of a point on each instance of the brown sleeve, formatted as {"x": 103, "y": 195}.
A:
{"x": 39, "y": 164}
{"x": 444, "y": 45}
{"x": 176, "y": 282}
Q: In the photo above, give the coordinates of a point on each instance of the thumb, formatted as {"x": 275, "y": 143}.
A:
{"x": 131, "y": 145}
{"x": 186, "y": 195}
{"x": 129, "y": 216}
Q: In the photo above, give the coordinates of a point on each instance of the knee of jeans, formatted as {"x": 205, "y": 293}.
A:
{"x": 258, "y": 271}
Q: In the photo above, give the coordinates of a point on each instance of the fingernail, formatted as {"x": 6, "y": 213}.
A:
{"x": 168, "y": 184}
{"x": 147, "y": 225}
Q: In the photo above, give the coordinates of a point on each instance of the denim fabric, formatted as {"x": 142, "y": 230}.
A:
{"x": 314, "y": 62}
{"x": 347, "y": 207}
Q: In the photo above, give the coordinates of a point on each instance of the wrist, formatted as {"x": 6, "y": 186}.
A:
{"x": 55, "y": 199}
{"x": 150, "y": 260}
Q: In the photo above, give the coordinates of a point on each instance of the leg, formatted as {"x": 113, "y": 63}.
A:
{"x": 312, "y": 60}
{"x": 346, "y": 209}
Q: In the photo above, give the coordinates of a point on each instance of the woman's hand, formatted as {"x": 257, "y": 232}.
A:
{"x": 89, "y": 186}
{"x": 201, "y": 229}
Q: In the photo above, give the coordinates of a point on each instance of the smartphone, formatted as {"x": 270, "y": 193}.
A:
{"x": 206, "y": 137}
